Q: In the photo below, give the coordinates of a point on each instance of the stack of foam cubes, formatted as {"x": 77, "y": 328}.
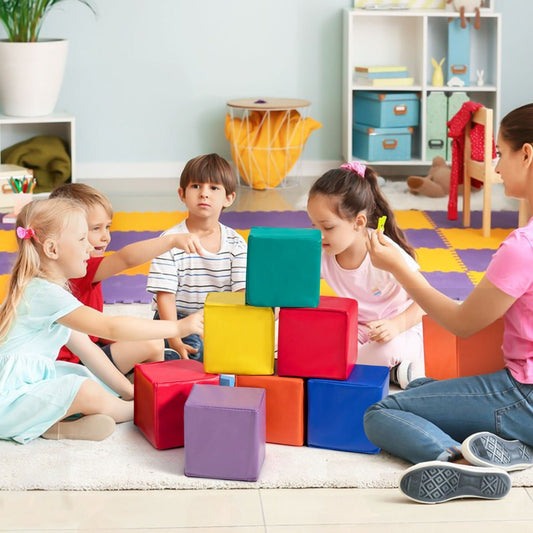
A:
{"x": 316, "y": 394}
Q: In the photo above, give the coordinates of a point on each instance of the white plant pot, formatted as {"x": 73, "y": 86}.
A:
{"x": 31, "y": 75}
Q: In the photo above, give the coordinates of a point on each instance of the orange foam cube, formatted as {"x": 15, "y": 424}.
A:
{"x": 285, "y": 421}
{"x": 448, "y": 356}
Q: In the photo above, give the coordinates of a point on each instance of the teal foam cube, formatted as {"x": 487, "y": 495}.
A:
{"x": 283, "y": 267}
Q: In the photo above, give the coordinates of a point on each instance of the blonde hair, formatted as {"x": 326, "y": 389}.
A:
{"x": 86, "y": 195}
{"x": 48, "y": 219}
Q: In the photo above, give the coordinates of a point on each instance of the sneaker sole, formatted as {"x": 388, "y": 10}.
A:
{"x": 487, "y": 449}
{"x": 438, "y": 482}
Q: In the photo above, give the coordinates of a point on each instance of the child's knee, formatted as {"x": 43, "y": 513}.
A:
{"x": 156, "y": 350}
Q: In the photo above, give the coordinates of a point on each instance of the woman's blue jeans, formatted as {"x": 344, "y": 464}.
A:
{"x": 429, "y": 420}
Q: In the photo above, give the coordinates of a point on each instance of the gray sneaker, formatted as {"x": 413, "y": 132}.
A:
{"x": 487, "y": 449}
{"x": 438, "y": 481}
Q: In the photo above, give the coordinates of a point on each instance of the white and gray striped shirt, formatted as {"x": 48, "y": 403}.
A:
{"x": 191, "y": 276}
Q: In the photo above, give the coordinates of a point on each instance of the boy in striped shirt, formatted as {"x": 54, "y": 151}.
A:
{"x": 180, "y": 281}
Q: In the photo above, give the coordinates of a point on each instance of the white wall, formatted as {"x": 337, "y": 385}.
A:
{"x": 148, "y": 80}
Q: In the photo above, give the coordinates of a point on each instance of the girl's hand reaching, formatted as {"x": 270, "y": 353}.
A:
{"x": 192, "y": 324}
{"x": 188, "y": 242}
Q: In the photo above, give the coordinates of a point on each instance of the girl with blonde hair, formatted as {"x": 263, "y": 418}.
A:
{"x": 39, "y": 315}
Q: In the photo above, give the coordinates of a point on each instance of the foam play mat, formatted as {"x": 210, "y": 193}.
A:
{"x": 452, "y": 258}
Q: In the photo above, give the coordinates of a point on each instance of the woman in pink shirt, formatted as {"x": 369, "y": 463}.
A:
{"x": 465, "y": 434}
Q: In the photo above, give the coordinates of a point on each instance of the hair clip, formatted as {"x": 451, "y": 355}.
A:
{"x": 23, "y": 233}
{"x": 356, "y": 167}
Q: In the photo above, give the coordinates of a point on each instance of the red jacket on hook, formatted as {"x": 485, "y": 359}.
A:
{"x": 456, "y": 130}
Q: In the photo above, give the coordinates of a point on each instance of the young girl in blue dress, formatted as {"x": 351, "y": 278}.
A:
{"x": 39, "y": 315}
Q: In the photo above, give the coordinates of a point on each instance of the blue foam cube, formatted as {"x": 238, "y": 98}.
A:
{"x": 283, "y": 267}
{"x": 227, "y": 380}
{"x": 336, "y": 409}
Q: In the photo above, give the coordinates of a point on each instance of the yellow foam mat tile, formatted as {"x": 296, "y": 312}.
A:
{"x": 469, "y": 238}
{"x": 438, "y": 260}
{"x": 8, "y": 241}
{"x": 4, "y": 280}
{"x": 243, "y": 233}
{"x": 475, "y": 277}
{"x": 137, "y": 221}
{"x": 413, "y": 220}
{"x": 325, "y": 289}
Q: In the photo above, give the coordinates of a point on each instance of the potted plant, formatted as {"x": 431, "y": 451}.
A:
{"x": 31, "y": 70}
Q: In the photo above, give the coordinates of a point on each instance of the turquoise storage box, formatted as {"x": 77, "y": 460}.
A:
{"x": 459, "y": 51}
{"x": 382, "y": 144}
{"x": 283, "y": 267}
{"x": 386, "y": 110}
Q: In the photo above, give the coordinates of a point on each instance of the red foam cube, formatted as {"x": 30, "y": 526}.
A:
{"x": 161, "y": 390}
{"x": 319, "y": 342}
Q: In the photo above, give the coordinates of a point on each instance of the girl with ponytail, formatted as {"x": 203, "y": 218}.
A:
{"x": 345, "y": 204}
{"x": 39, "y": 315}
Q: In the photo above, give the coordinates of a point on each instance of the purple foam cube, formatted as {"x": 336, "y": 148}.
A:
{"x": 225, "y": 432}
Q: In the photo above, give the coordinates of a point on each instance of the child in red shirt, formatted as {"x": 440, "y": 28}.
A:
{"x": 88, "y": 289}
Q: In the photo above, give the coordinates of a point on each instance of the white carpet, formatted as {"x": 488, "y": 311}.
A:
{"x": 126, "y": 460}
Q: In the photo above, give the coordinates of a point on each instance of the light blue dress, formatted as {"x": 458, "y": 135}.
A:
{"x": 35, "y": 391}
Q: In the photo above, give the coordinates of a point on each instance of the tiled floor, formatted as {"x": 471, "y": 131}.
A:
{"x": 250, "y": 511}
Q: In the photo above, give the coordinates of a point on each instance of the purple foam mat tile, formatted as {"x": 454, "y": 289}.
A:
{"x": 424, "y": 238}
{"x": 7, "y": 260}
{"x": 6, "y": 226}
{"x": 476, "y": 260}
{"x": 456, "y": 285}
{"x": 499, "y": 219}
{"x": 119, "y": 239}
{"x": 126, "y": 289}
{"x": 273, "y": 219}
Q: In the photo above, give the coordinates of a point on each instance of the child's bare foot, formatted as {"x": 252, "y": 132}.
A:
{"x": 89, "y": 427}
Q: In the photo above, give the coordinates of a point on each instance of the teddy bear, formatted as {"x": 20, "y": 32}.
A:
{"x": 436, "y": 184}
{"x": 467, "y": 6}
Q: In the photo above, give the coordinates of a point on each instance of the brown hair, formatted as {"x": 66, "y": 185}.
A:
{"x": 86, "y": 195}
{"x": 516, "y": 128}
{"x": 47, "y": 218}
{"x": 354, "y": 194}
{"x": 210, "y": 168}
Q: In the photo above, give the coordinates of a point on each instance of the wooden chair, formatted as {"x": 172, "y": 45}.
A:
{"x": 484, "y": 172}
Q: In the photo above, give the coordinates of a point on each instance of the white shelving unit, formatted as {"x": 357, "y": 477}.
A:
{"x": 412, "y": 38}
{"x": 62, "y": 125}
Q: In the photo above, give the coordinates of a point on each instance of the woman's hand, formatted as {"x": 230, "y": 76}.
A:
{"x": 383, "y": 254}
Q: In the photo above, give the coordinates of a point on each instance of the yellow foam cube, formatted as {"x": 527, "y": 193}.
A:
{"x": 238, "y": 338}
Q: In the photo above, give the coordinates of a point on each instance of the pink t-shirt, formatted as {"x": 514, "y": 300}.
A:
{"x": 511, "y": 270}
{"x": 377, "y": 292}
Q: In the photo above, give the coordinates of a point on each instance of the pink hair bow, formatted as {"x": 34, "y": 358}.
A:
{"x": 23, "y": 233}
{"x": 356, "y": 167}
